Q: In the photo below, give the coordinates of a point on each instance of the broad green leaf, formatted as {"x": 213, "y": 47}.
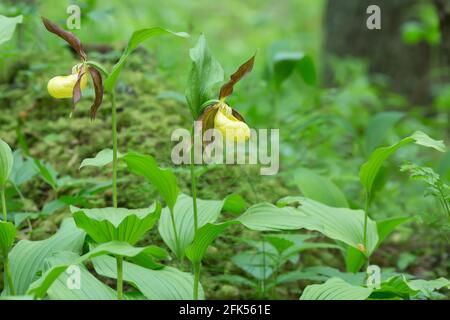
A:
{"x": 428, "y": 287}
{"x": 165, "y": 284}
{"x": 7, "y": 236}
{"x": 23, "y": 169}
{"x": 207, "y": 212}
{"x": 206, "y": 71}
{"x": 205, "y": 236}
{"x": 393, "y": 288}
{"x": 340, "y": 224}
{"x": 294, "y": 276}
{"x": 283, "y": 63}
{"x": 6, "y": 162}
{"x": 7, "y": 27}
{"x": 90, "y": 288}
{"x": 307, "y": 70}
{"x": 162, "y": 179}
{"x": 335, "y": 289}
{"x": 61, "y": 264}
{"x": 386, "y": 226}
{"x": 356, "y": 278}
{"x": 319, "y": 188}
{"x": 370, "y": 169}
{"x": 260, "y": 266}
{"x": 268, "y": 217}
{"x": 47, "y": 173}
{"x": 136, "y": 39}
{"x": 378, "y": 126}
{"x": 119, "y": 224}
{"x": 102, "y": 159}
{"x": 27, "y": 257}
{"x": 354, "y": 259}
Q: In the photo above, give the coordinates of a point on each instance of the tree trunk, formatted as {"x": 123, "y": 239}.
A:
{"x": 405, "y": 65}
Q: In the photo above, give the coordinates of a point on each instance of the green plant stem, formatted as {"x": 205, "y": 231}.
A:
{"x": 366, "y": 218}
{"x": 114, "y": 138}
{"x": 197, "y": 267}
{"x": 194, "y": 188}
{"x": 5, "y": 216}
{"x": 5, "y": 254}
{"x": 174, "y": 227}
{"x": 119, "y": 260}
{"x": 8, "y": 275}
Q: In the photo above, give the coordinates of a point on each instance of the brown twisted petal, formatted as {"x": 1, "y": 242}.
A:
{"x": 76, "y": 96}
{"x": 98, "y": 87}
{"x": 245, "y": 68}
{"x": 67, "y": 36}
{"x": 206, "y": 119}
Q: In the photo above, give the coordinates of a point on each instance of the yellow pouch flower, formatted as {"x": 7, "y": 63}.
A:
{"x": 229, "y": 126}
{"x": 61, "y": 87}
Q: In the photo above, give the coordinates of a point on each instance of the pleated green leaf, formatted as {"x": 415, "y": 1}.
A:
{"x": 369, "y": 170}
{"x": 162, "y": 179}
{"x": 61, "y": 262}
{"x": 319, "y": 188}
{"x": 335, "y": 289}
{"x": 7, "y": 236}
{"x": 205, "y": 73}
{"x": 354, "y": 259}
{"x": 207, "y": 211}
{"x": 164, "y": 284}
{"x": 205, "y": 236}
{"x": 136, "y": 39}
{"x": 27, "y": 257}
{"x": 101, "y": 159}
{"x": 6, "y": 162}
{"x": 340, "y": 224}
{"x": 116, "y": 224}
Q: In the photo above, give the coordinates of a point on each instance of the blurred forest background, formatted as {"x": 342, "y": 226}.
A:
{"x": 370, "y": 88}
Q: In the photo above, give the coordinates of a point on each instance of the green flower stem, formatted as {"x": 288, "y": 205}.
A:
{"x": 366, "y": 217}
{"x": 5, "y": 254}
{"x": 5, "y": 216}
{"x": 197, "y": 267}
{"x": 174, "y": 227}
{"x": 8, "y": 275}
{"x": 194, "y": 204}
{"x": 114, "y": 138}
{"x": 119, "y": 260}
{"x": 194, "y": 183}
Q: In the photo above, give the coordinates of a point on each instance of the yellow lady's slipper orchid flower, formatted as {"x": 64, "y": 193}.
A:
{"x": 61, "y": 87}
{"x": 229, "y": 126}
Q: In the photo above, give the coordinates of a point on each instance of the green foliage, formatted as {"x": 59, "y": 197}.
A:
{"x": 208, "y": 212}
{"x": 319, "y": 188}
{"x": 27, "y": 258}
{"x": 369, "y": 170}
{"x": 6, "y": 162}
{"x": 7, "y": 27}
{"x": 205, "y": 72}
{"x": 116, "y": 224}
{"x": 136, "y": 39}
{"x": 162, "y": 179}
{"x": 335, "y": 289}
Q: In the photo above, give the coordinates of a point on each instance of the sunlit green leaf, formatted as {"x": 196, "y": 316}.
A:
{"x": 370, "y": 169}
{"x": 7, "y": 27}
{"x": 206, "y": 71}
{"x": 319, "y": 188}
{"x": 136, "y": 39}
{"x": 6, "y": 162}
{"x": 335, "y": 289}
{"x": 120, "y": 224}
{"x": 162, "y": 179}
